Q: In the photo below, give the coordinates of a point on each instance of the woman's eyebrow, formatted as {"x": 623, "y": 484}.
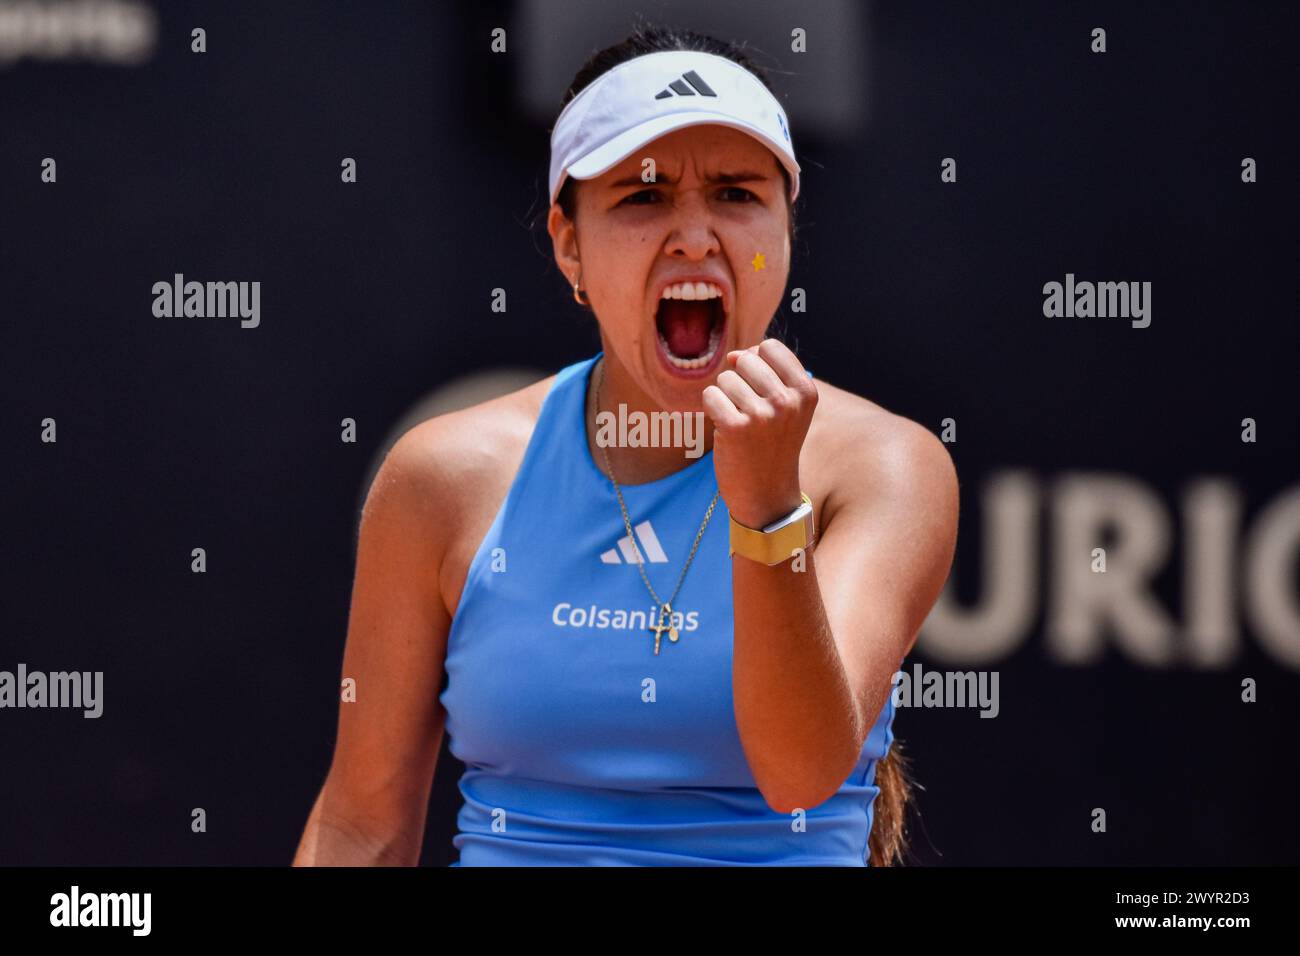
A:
{"x": 726, "y": 179}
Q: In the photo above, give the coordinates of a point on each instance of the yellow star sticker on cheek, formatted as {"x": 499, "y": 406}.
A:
{"x": 759, "y": 261}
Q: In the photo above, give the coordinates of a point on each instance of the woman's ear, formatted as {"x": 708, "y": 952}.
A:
{"x": 564, "y": 240}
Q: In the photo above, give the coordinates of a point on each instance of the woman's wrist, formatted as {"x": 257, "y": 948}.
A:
{"x": 759, "y": 513}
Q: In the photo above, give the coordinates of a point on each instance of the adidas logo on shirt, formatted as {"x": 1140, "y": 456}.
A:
{"x": 649, "y": 543}
{"x": 688, "y": 85}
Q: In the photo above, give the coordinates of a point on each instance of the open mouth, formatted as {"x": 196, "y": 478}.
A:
{"x": 690, "y": 321}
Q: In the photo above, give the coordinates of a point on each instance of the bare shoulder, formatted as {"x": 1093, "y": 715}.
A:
{"x": 870, "y": 451}
{"x": 448, "y": 475}
{"x": 473, "y": 443}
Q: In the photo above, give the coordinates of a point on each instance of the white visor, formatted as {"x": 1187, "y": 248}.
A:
{"x": 651, "y": 95}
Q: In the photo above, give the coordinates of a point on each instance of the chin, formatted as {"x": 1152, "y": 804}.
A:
{"x": 675, "y": 391}
{"x": 687, "y": 402}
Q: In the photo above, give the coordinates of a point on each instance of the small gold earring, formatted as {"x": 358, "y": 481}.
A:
{"x": 578, "y": 293}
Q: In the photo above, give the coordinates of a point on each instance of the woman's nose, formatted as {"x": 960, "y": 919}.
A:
{"x": 693, "y": 234}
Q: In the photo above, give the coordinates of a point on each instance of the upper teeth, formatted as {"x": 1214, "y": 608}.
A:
{"x": 692, "y": 290}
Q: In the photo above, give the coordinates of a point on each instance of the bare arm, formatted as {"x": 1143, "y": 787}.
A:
{"x": 371, "y": 810}
{"x": 816, "y": 651}
{"x": 817, "y": 641}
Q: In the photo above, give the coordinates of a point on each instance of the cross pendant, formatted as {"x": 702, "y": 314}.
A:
{"x": 665, "y": 610}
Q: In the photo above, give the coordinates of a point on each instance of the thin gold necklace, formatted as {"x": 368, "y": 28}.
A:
{"x": 665, "y": 607}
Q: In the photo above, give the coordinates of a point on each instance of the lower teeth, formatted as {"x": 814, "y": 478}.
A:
{"x": 715, "y": 337}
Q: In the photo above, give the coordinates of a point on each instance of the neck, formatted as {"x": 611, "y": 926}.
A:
{"x": 637, "y": 464}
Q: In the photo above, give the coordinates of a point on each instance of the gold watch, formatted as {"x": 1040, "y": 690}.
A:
{"x": 778, "y": 541}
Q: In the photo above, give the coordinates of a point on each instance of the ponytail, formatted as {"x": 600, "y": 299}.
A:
{"x": 888, "y": 841}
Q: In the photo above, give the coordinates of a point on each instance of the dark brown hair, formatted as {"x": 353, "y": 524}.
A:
{"x": 888, "y": 839}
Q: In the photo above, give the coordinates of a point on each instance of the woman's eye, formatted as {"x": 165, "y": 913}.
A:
{"x": 736, "y": 194}
{"x": 642, "y": 197}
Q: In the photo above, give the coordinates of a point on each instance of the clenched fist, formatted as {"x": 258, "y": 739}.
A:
{"x": 761, "y": 408}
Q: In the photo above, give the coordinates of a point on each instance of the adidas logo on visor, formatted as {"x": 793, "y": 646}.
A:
{"x": 689, "y": 85}
{"x": 649, "y": 541}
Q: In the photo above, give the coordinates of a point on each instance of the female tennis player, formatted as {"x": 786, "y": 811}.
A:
{"x": 645, "y": 658}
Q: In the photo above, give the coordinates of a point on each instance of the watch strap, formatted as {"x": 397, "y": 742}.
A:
{"x": 777, "y": 542}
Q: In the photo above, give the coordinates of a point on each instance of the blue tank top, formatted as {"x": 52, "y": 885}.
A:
{"x": 581, "y": 746}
